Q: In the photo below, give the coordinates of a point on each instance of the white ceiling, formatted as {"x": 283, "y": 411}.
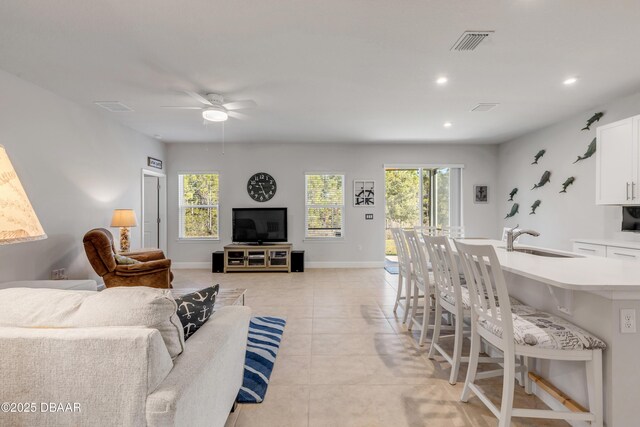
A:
{"x": 330, "y": 70}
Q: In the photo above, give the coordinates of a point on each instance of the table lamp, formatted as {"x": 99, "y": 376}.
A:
{"x": 124, "y": 218}
{"x": 18, "y": 221}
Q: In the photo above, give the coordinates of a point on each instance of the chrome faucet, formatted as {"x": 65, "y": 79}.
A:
{"x": 513, "y": 234}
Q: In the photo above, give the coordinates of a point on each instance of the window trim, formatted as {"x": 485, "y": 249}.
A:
{"x": 180, "y": 206}
{"x": 342, "y": 206}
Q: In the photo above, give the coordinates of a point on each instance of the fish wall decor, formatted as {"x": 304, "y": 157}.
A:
{"x": 538, "y": 156}
{"x": 534, "y": 206}
{"x": 590, "y": 151}
{"x": 595, "y": 118}
{"x": 567, "y": 183}
{"x": 514, "y": 210}
{"x": 543, "y": 180}
{"x": 513, "y": 193}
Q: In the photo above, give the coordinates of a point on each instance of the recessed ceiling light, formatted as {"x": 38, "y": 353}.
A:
{"x": 157, "y": 136}
{"x": 570, "y": 81}
{"x": 447, "y": 124}
{"x": 442, "y": 80}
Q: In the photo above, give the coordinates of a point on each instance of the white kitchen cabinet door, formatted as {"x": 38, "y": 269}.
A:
{"x": 625, "y": 254}
{"x": 590, "y": 249}
{"x": 616, "y": 163}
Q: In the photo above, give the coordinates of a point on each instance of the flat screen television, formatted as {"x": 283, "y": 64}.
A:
{"x": 259, "y": 225}
{"x": 631, "y": 218}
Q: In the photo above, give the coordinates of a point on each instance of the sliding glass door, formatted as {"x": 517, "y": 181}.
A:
{"x": 421, "y": 196}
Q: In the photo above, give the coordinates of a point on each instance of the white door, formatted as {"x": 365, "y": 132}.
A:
{"x": 151, "y": 212}
{"x": 616, "y": 150}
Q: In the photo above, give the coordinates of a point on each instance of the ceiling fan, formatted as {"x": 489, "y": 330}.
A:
{"x": 215, "y": 109}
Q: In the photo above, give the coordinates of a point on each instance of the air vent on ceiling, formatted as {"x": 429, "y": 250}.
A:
{"x": 114, "y": 106}
{"x": 485, "y": 106}
{"x": 469, "y": 40}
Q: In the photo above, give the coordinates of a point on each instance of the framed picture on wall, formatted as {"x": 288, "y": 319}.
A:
{"x": 481, "y": 194}
{"x": 364, "y": 193}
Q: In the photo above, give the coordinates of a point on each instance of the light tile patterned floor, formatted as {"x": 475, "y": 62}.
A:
{"x": 346, "y": 359}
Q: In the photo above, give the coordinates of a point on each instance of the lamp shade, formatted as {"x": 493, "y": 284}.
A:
{"x": 124, "y": 218}
{"x": 18, "y": 221}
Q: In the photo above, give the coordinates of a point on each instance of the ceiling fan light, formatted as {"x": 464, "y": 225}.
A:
{"x": 215, "y": 115}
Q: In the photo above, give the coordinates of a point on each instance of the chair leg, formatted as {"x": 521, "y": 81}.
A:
{"x": 457, "y": 350}
{"x": 414, "y": 305}
{"x": 407, "y": 294}
{"x": 474, "y": 355}
{"x": 436, "y": 330}
{"x": 508, "y": 386}
{"x": 522, "y": 374}
{"x": 527, "y": 381}
{"x": 425, "y": 320}
{"x": 595, "y": 388}
{"x": 398, "y": 293}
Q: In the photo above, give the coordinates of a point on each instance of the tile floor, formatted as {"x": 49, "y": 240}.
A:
{"x": 346, "y": 359}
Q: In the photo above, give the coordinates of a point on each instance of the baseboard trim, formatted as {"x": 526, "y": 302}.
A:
{"x": 191, "y": 265}
{"x": 346, "y": 264}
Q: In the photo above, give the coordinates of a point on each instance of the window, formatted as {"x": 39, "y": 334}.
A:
{"x": 198, "y": 205}
{"x": 324, "y": 216}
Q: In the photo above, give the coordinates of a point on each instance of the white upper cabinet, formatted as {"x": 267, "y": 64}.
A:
{"x": 617, "y": 163}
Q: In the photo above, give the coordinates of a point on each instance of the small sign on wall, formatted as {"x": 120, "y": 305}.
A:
{"x": 481, "y": 194}
{"x": 154, "y": 163}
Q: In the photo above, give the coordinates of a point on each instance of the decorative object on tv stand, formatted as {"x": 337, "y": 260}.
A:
{"x": 513, "y": 193}
{"x": 364, "y": 192}
{"x": 591, "y": 150}
{"x": 567, "y": 183}
{"x": 595, "y": 118}
{"x": 534, "y": 206}
{"x": 480, "y": 194}
{"x": 124, "y": 218}
{"x": 538, "y": 156}
{"x": 18, "y": 221}
{"x": 261, "y": 187}
{"x": 546, "y": 177}
{"x": 514, "y": 211}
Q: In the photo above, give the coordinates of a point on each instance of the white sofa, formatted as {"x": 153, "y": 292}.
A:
{"x": 122, "y": 376}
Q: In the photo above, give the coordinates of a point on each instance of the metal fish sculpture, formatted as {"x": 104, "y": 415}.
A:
{"x": 543, "y": 180}
{"x": 595, "y": 118}
{"x": 567, "y": 183}
{"x": 537, "y": 156}
{"x": 590, "y": 151}
{"x": 513, "y": 193}
{"x": 534, "y": 206}
{"x": 514, "y": 210}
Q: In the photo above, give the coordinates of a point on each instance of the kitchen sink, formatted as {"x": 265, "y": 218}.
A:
{"x": 542, "y": 252}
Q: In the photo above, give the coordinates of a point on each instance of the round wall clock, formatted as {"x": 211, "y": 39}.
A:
{"x": 261, "y": 187}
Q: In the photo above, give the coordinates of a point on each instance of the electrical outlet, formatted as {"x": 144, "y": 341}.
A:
{"x": 628, "y": 321}
{"x": 60, "y": 274}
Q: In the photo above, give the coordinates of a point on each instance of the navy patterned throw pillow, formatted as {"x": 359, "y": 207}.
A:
{"x": 194, "y": 309}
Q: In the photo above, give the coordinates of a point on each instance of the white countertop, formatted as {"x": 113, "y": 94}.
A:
{"x": 610, "y": 242}
{"x": 585, "y": 273}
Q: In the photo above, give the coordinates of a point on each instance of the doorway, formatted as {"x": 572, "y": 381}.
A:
{"x": 425, "y": 196}
{"x": 154, "y": 208}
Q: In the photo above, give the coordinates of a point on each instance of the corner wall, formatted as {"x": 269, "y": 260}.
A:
{"x": 363, "y": 244}
{"x": 561, "y": 217}
{"x": 76, "y": 166}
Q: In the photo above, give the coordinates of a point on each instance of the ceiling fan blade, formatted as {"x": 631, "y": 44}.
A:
{"x": 198, "y": 97}
{"x": 237, "y": 115}
{"x": 181, "y": 108}
{"x": 238, "y": 105}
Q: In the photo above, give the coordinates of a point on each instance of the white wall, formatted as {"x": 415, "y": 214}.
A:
{"x": 561, "y": 217}
{"x": 76, "y": 167}
{"x": 363, "y": 243}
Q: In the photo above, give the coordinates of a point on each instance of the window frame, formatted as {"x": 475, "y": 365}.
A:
{"x": 339, "y": 206}
{"x": 181, "y": 237}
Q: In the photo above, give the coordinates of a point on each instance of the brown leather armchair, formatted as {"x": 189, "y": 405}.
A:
{"x": 154, "y": 270}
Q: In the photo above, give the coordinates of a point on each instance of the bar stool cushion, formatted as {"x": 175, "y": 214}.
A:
{"x": 532, "y": 327}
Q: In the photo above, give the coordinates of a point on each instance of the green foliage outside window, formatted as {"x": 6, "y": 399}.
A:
{"x": 325, "y": 205}
{"x": 199, "y": 195}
